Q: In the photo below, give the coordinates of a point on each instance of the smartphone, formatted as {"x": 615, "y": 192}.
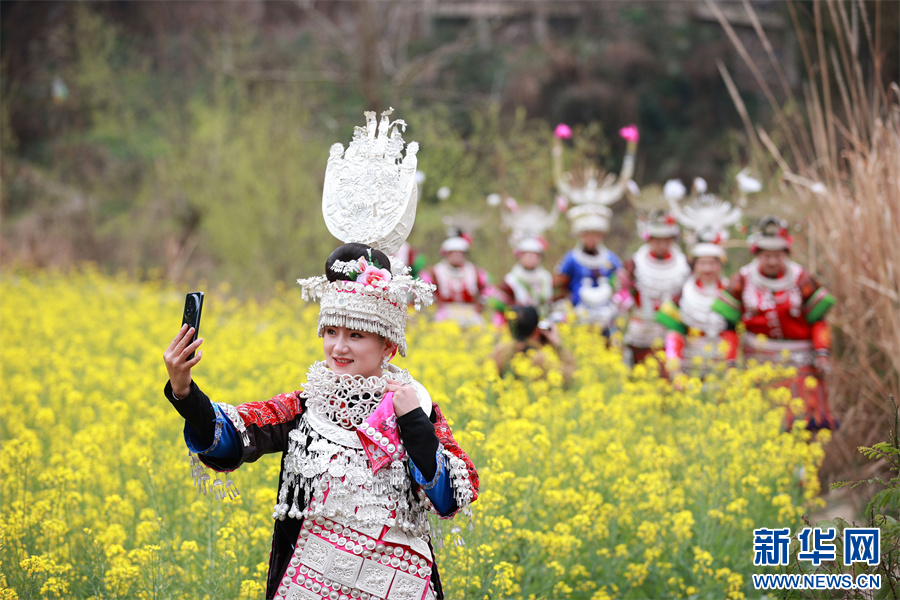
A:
{"x": 193, "y": 305}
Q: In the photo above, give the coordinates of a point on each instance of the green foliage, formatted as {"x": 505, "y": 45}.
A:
{"x": 888, "y": 499}
{"x": 196, "y": 158}
{"x": 250, "y": 169}
{"x": 221, "y": 179}
{"x": 505, "y": 155}
{"x": 115, "y": 90}
{"x": 881, "y": 513}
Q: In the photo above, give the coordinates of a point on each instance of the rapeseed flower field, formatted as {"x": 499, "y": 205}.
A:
{"x": 619, "y": 486}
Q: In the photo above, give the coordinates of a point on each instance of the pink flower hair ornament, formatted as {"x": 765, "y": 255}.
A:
{"x": 563, "y": 131}
{"x": 363, "y": 271}
{"x": 630, "y": 134}
{"x": 374, "y": 276}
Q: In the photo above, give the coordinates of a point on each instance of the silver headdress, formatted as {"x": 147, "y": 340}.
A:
{"x": 652, "y": 206}
{"x": 707, "y": 219}
{"x": 772, "y": 233}
{"x": 370, "y": 198}
{"x": 527, "y": 224}
{"x": 370, "y": 190}
{"x": 592, "y": 196}
{"x": 460, "y": 229}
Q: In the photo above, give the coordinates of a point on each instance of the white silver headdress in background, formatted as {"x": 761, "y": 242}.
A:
{"x": 527, "y": 225}
{"x": 747, "y": 184}
{"x": 652, "y": 207}
{"x": 707, "y": 219}
{"x": 460, "y": 229}
{"x": 772, "y": 233}
{"x": 768, "y": 200}
{"x": 370, "y": 197}
{"x": 584, "y": 188}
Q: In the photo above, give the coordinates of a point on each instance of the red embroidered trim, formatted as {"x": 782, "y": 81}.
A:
{"x": 391, "y": 302}
{"x": 280, "y": 409}
{"x": 445, "y": 437}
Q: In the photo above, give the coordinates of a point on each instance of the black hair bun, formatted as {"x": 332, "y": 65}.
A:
{"x": 351, "y": 252}
{"x": 524, "y": 323}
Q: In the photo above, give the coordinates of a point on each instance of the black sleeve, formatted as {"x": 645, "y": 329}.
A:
{"x": 196, "y": 409}
{"x": 417, "y": 433}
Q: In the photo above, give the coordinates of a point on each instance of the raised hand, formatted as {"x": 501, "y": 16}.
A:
{"x": 405, "y": 397}
{"x": 177, "y": 363}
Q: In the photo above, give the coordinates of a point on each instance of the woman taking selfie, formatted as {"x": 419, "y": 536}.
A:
{"x": 365, "y": 453}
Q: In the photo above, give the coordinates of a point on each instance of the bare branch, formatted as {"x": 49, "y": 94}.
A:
{"x": 340, "y": 39}
{"x": 424, "y": 64}
{"x": 757, "y": 75}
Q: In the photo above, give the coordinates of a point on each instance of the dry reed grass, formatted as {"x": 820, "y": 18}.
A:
{"x": 835, "y": 155}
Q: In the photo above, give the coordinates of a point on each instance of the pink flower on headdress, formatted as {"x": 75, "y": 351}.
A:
{"x": 374, "y": 276}
{"x": 630, "y": 133}
{"x": 563, "y": 131}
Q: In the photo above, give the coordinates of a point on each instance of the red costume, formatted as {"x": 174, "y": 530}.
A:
{"x": 784, "y": 313}
{"x": 460, "y": 293}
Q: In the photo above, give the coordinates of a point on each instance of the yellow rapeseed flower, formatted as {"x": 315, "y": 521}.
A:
{"x": 619, "y": 467}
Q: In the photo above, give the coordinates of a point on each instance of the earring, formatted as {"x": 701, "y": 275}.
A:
{"x": 384, "y": 363}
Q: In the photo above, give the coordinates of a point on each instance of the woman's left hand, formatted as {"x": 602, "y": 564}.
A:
{"x": 405, "y": 397}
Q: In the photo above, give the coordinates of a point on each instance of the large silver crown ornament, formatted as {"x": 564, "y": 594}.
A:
{"x": 370, "y": 191}
{"x": 462, "y": 222}
{"x": 591, "y": 185}
{"x": 526, "y": 222}
{"x": 590, "y": 189}
{"x": 652, "y": 204}
{"x": 706, "y": 212}
{"x": 706, "y": 219}
{"x": 370, "y": 198}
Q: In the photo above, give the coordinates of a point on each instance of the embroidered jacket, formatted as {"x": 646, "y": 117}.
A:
{"x": 464, "y": 285}
{"x": 695, "y": 330}
{"x": 790, "y": 307}
{"x": 579, "y": 269}
{"x": 266, "y": 427}
{"x": 524, "y": 288}
{"x": 645, "y": 284}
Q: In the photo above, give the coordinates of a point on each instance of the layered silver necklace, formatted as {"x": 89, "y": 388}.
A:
{"x": 326, "y": 463}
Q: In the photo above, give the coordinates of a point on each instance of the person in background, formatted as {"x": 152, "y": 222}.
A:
{"x": 410, "y": 257}
{"x": 531, "y": 336}
{"x": 528, "y": 283}
{"x": 783, "y": 309}
{"x": 586, "y": 274}
{"x": 695, "y": 331}
{"x": 650, "y": 278}
{"x": 461, "y": 286}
